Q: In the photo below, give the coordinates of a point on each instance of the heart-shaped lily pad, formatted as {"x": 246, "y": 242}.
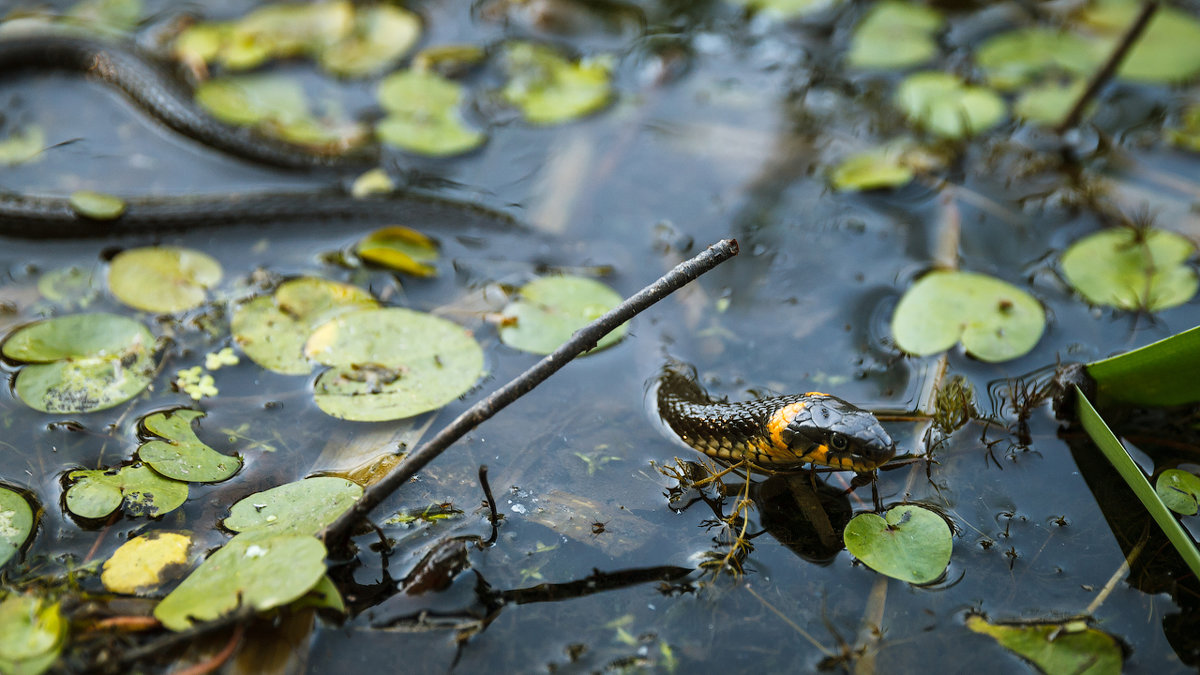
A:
{"x": 910, "y": 543}
{"x": 895, "y": 35}
{"x": 549, "y": 310}
{"x": 305, "y": 506}
{"x": 549, "y": 88}
{"x": 16, "y": 523}
{"x": 181, "y": 454}
{"x": 97, "y": 493}
{"x": 162, "y": 278}
{"x": 995, "y": 320}
{"x": 944, "y": 105}
{"x": 1132, "y": 269}
{"x": 1179, "y": 490}
{"x": 1056, "y": 647}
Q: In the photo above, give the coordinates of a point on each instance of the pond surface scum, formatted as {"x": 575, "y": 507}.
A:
{"x": 851, "y": 148}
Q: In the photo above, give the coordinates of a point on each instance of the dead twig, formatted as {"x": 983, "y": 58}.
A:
{"x": 337, "y": 533}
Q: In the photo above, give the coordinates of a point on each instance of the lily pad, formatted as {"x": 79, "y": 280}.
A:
{"x": 995, "y": 320}
{"x": 381, "y": 36}
{"x": 871, "y": 170}
{"x": 401, "y": 249}
{"x": 1048, "y": 103}
{"x": 182, "y": 455}
{"x": 22, "y": 145}
{"x": 787, "y": 9}
{"x": 96, "y": 205}
{"x": 272, "y": 330}
{"x": 146, "y": 562}
{"x": 549, "y": 310}
{"x": 895, "y": 35}
{"x": 1179, "y": 490}
{"x": 16, "y": 523}
{"x": 392, "y": 363}
{"x": 1015, "y": 58}
{"x": 116, "y": 15}
{"x": 909, "y": 543}
{"x": 303, "y": 507}
{"x": 284, "y": 30}
{"x": 1167, "y": 52}
{"x": 424, "y": 116}
{"x": 162, "y": 278}
{"x": 550, "y": 89}
{"x": 81, "y": 362}
{"x": 32, "y": 633}
{"x": 944, "y": 105}
{"x": 1132, "y": 269}
{"x": 1056, "y": 647}
{"x": 97, "y": 493}
{"x": 255, "y": 569}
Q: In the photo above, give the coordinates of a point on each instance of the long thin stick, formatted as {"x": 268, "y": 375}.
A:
{"x": 584, "y": 339}
{"x": 1105, "y": 74}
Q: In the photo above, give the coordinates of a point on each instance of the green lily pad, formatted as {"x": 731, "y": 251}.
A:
{"x": 423, "y": 115}
{"x": 1017, "y": 57}
{"x": 1187, "y": 133}
{"x": 373, "y": 182}
{"x": 32, "y": 634}
{"x": 392, "y": 363}
{"x": 448, "y": 60}
{"x": 871, "y": 170}
{"x": 1167, "y": 52}
{"x": 944, "y": 105}
{"x": 182, "y": 455}
{"x": 255, "y": 569}
{"x": 97, "y": 493}
{"x": 382, "y": 34}
{"x": 145, "y": 562}
{"x": 303, "y": 507}
{"x": 549, "y": 310}
{"x": 285, "y": 30}
{"x": 96, "y": 205}
{"x": 272, "y": 329}
{"x": 162, "y": 278}
{"x": 16, "y": 523}
{"x": 910, "y": 543}
{"x": 1048, "y": 103}
{"x": 22, "y": 145}
{"x": 995, "y": 320}
{"x": 787, "y": 9}
{"x": 1132, "y": 269}
{"x": 1179, "y": 490}
{"x": 895, "y": 35}
{"x": 401, "y": 249}
{"x": 81, "y": 362}
{"x": 1056, "y": 647}
{"x": 116, "y": 15}
{"x": 549, "y": 88}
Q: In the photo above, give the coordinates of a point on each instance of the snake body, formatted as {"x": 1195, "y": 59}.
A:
{"x": 153, "y": 85}
{"x": 775, "y": 432}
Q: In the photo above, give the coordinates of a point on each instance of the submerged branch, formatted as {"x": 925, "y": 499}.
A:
{"x": 584, "y": 339}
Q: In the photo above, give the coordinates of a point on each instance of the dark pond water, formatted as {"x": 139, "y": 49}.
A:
{"x": 722, "y": 125}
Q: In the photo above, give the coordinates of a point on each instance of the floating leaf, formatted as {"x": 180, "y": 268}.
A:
{"x": 182, "y": 455}
{"x": 81, "y": 362}
{"x": 303, "y": 507}
{"x": 1132, "y": 269}
{"x": 22, "y": 145}
{"x": 448, "y": 60}
{"x": 255, "y": 569}
{"x": 32, "y": 633}
{"x": 423, "y": 115}
{"x": 272, "y": 330}
{"x": 871, "y": 170}
{"x": 146, "y": 562}
{"x": 399, "y": 248}
{"x": 16, "y": 523}
{"x": 96, "y": 205}
{"x": 97, "y": 493}
{"x": 1015, "y": 58}
{"x": 162, "y": 278}
{"x": 995, "y": 320}
{"x": 1056, "y": 647}
{"x": 787, "y": 9}
{"x": 117, "y": 15}
{"x": 549, "y": 89}
{"x": 1167, "y": 52}
{"x": 909, "y": 543}
{"x": 285, "y": 30}
{"x": 1179, "y": 490}
{"x": 895, "y": 35}
{"x": 373, "y": 182}
{"x": 943, "y": 105}
{"x": 381, "y": 36}
{"x": 1048, "y": 103}
{"x": 392, "y": 363}
{"x": 549, "y": 310}
{"x": 1187, "y": 133}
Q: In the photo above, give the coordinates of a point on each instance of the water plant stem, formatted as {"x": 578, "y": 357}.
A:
{"x": 338, "y": 532}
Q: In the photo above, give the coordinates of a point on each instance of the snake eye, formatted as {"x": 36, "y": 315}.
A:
{"x": 839, "y": 441}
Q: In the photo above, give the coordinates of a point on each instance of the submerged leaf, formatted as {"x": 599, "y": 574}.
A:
{"x": 550, "y": 309}
{"x": 1056, "y": 647}
{"x": 255, "y": 569}
{"x": 97, "y": 493}
{"x": 943, "y": 105}
{"x": 182, "y": 455}
{"x": 145, "y": 562}
{"x": 16, "y": 523}
{"x": 550, "y": 89}
{"x": 1132, "y": 269}
{"x": 162, "y": 278}
{"x": 303, "y": 507}
{"x": 909, "y": 543}
{"x": 995, "y": 320}
{"x": 22, "y": 145}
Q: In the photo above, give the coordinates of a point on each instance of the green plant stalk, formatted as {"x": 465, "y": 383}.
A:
{"x": 1160, "y": 374}
{"x": 1115, "y": 452}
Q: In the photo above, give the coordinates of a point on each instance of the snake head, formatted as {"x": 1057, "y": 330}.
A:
{"x": 826, "y": 430}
